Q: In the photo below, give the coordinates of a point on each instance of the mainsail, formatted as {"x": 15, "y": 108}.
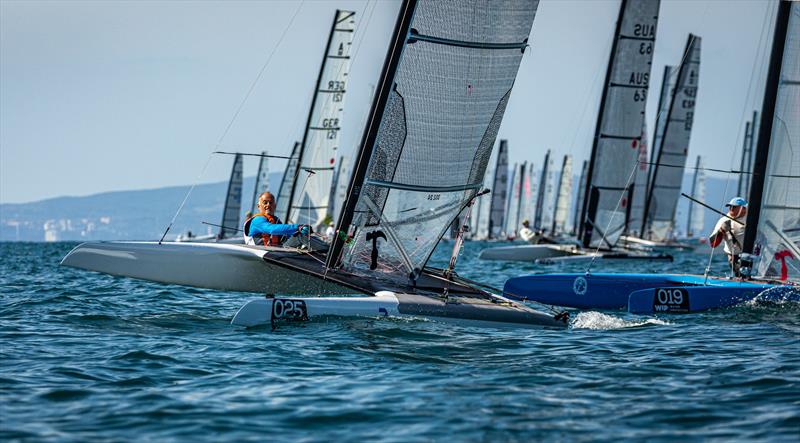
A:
{"x": 312, "y": 180}
{"x": 696, "y": 219}
{"x": 619, "y": 125}
{"x": 563, "y": 195}
{"x": 775, "y": 186}
{"x": 639, "y": 187}
{"x": 512, "y": 212}
{"x": 526, "y": 205}
{"x": 233, "y": 201}
{"x": 576, "y": 223}
{"x": 287, "y": 183}
{"x": 665, "y": 184}
{"x": 339, "y": 187}
{"x": 262, "y": 181}
{"x": 483, "y": 207}
{"x": 497, "y": 209}
{"x": 444, "y": 89}
{"x": 546, "y": 191}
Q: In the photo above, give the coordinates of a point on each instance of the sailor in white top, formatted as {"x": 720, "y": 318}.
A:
{"x": 527, "y": 234}
{"x": 731, "y": 232}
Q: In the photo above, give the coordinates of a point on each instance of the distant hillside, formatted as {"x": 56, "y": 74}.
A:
{"x": 144, "y": 214}
{"x": 122, "y": 215}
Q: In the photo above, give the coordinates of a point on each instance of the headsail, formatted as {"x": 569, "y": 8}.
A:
{"x": 287, "y": 183}
{"x": 262, "y": 181}
{"x": 665, "y": 184}
{"x": 444, "y": 90}
{"x": 775, "y": 188}
{"x": 497, "y": 209}
{"x": 233, "y": 201}
{"x": 563, "y": 196}
{"x": 312, "y": 180}
{"x": 619, "y": 125}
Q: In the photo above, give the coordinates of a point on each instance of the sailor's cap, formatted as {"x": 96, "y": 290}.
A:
{"x": 737, "y": 201}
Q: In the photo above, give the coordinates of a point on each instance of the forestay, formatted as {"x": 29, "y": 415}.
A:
{"x": 311, "y": 190}
{"x": 665, "y": 187}
{"x": 563, "y": 196}
{"x": 619, "y": 127}
{"x": 778, "y": 235}
{"x": 287, "y": 182}
{"x": 497, "y": 209}
{"x": 233, "y": 201}
{"x": 443, "y": 109}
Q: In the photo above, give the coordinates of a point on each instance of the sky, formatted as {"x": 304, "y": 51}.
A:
{"x": 104, "y": 96}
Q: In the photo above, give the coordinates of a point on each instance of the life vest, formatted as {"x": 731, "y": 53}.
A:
{"x": 263, "y": 239}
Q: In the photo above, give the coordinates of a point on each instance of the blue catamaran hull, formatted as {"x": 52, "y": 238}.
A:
{"x": 639, "y": 293}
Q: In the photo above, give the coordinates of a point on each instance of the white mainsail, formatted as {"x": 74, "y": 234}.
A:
{"x": 538, "y": 217}
{"x": 669, "y": 164}
{"x": 233, "y": 201}
{"x": 777, "y": 240}
{"x": 512, "y": 213}
{"x": 576, "y": 223}
{"x": 563, "y": 196}
{"x": 312, "y": 181}
{"x": 695, "y": 223}
{"x": 287, "y": 183}
{"x": 547, "y": 192}
{"x": 440, "y": 106}
{"x": 619, "y": 127}
{"x": 483, "y": 210}
{"x": 262, "y": 181}
{"x": 639, "y": 187}
{"x": 340, "y": 187}
{"x": 497, "y": 209}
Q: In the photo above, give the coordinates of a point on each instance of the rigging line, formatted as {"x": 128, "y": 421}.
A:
{"x": 613, "y": 214}
{"x": 260, "y": 73}
{"x": 730, "y": 171}
{"x": 186, "y": 197}
{"x": 252, "y": 155}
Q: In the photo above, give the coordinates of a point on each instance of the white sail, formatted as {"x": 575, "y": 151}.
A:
{"x": 262, "y": 181}
{"x": 287, "y": 183}
{"x": 548, "y": 180}
{"x": 538, "y": 217}
{"x": 484, "y": 207}
{"x": 619, "y": 128}
{"x": 439, "y": 118}
{"x": 778, "y": 235}
{"x": 497, "y": 210}
{"x": 312, "y": 183}
{"x": 527, "y": 206}
{"x": 233, "y": 201}
{"x": 512, "y": 213}
{"x": 665, "y": 184}
{"x": 639, "y": 187}
{"x": 576, "y": 221}
{"x": 695, "y": 224}
{"x": 340, "y": 188}
{"x": 563, "y": 197}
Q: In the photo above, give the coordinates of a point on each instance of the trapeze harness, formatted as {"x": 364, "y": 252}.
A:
{"x": 263, "y": 239}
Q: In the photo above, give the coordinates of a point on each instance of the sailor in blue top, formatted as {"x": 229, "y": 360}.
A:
{"x": 266, "y": 229}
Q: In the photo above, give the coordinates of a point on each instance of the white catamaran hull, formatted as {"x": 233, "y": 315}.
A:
{"x": 204, "y": 265}
{"x": 465, "y": 312}
{"x": 527, "y": 252}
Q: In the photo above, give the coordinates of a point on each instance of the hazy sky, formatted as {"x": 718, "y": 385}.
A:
{"x": 99, "y": 96}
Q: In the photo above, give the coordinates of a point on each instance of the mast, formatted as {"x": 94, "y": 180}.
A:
{"x": 325, "y": 124}
{"x": 401, "y": 30}
{"x": 686, "y": 91}
{"x": 765, "y": 127}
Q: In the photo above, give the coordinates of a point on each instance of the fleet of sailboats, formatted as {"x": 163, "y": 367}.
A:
{"x": 442, "y": 93}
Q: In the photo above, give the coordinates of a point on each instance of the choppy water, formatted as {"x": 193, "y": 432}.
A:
{"x": 89, "y": 357}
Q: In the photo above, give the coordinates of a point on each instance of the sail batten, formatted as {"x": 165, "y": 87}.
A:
{"x": 438, "y": 110}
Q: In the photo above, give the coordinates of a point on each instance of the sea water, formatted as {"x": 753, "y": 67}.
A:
{"x": 91, "y": 357}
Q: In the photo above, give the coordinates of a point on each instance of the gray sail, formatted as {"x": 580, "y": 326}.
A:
{"x": 777, "y": 239}
{"x": 233, "y": 201}
{"x": 541, "y": 199}
{"x": 636, "y": 214}
{"x": 576, "y": 223}
{"x": 665, "y": 184}
{"x": 287, "y": 182}
{"x": 563, "y": 196}
{"x": 442, "y": 111}
{"x": 312, "y": 181}
{"x": 497, "y": 209}
{"x": 262, "y": 181}
{"x": 695, "y": 220}
{"x": 619, "y": 127}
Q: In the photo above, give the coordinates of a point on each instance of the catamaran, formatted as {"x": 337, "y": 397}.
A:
{"x": 771, "y": 248}
{"x": 442, "y": 94}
